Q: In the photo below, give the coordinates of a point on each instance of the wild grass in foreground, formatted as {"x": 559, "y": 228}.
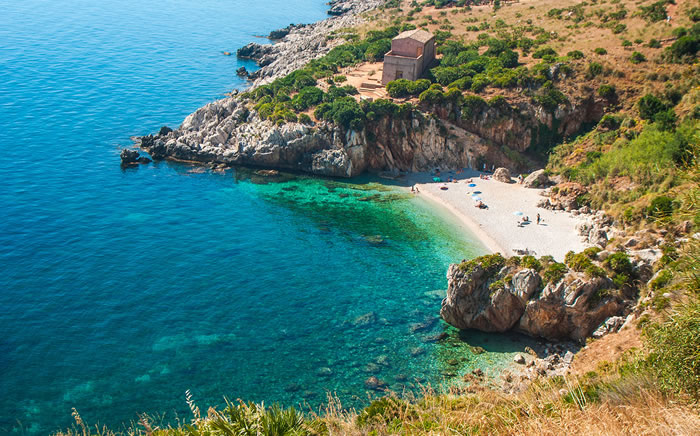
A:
{"x": 628, "y": 406}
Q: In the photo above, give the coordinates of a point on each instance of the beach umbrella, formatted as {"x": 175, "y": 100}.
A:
{"x": 437, "y": 179}
{"x": 517, "y": 213}
{"x": 471, "y": 185}
{"x": 476, "y": 198}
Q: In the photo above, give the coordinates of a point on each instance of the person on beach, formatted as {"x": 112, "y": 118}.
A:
{"x": 538, "y": 219}
{"x": 413, "y": 189}
{"x": 416, "y": 189}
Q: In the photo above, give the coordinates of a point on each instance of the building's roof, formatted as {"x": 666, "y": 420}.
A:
{"x": 416, "y": 34}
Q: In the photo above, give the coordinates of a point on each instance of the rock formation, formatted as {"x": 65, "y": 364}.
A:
{"x": 502, "y": 175}
{"x": 487, "y": 295}
{"x": 230, "y": 132}
{"x": 537, "y": 179}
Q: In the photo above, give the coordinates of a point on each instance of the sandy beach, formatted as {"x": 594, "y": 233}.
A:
{"x": 497, "y": 226}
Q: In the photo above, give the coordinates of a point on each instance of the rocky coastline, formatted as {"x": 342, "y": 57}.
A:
{"x": 296, "y": 45}
{"x": 228, "y": 132}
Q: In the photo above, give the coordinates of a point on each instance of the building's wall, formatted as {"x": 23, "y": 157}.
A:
{"x": 406, "y": 47}
{"x": 420, "y": 56}
{"x": 411, "y": 68}
{"x": 428, "y": 54}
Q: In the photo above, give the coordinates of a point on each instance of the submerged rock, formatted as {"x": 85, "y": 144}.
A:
{"x": 374, "y": 383}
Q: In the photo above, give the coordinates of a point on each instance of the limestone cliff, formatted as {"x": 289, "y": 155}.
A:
{"x": 488, "y": 295}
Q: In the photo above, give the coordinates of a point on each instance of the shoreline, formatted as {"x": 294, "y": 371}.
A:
{"x": 471, "y": 225}
{"x": 497, "y": 227}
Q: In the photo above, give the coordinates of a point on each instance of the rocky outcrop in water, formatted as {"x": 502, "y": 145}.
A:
{"x": 132, "y": 157}
{"x": 487, "y": 295}
{"x": 226, "y": 132}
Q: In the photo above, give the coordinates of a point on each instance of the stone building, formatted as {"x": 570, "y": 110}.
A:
{"x": 411, "y": 53}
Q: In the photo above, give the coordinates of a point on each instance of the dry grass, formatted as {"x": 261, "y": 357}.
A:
{"x": 545, "y": 409}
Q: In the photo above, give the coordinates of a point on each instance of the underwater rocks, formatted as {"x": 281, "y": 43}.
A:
{"x": 374, "y": 383}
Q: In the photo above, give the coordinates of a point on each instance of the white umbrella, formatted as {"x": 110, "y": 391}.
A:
{"x": 476, "y": 198}
{"x": 518, "y": 213}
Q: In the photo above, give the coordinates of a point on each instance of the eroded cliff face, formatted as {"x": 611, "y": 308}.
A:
{"x": 227, "y": 131}
{"x": 522, "y": 124}
{"x": 515, "y": 298}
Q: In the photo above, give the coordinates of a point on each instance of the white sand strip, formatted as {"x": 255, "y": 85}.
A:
{"x": 497, "y": 226}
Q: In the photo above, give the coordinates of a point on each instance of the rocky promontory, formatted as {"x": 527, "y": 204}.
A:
{"x": 542, "y": 298}
{"x": 296, "y": 45}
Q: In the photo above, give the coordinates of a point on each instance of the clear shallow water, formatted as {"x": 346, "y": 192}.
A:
{"x": 121, "y": 289}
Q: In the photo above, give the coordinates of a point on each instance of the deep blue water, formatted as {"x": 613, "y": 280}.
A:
{"x": 121, "y": 289}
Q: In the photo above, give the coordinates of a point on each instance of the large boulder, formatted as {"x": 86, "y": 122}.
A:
{"x": 537, "y": 179}
{"x": 570, "y": 309}
{"x": 478, "y": 300}
{"x": 502, "y": 175}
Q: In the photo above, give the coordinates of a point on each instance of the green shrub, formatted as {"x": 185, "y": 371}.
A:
{"x": 472, "y": 105}
{"x": 575, "y": 54}
{"x": 600, "y": 51}
{"x": 305, "y": 119}
{"x": 660, "y": 207}
{"x": 554, "y": 272}
{"x": 653, "y": 43}
{"x": 404, "y": 88}
{"x": 675, "y": 349}
{"x": 344, "y": 111}
{"x": 578, "y": 262}
{"x": 662, "y": 279}
{"x": 619, "y": 28}
{"x": 376, "y": 50}
{"x": 626, "y": 43}
{"x": 550, "y": 98}
{"x": 308, "y": 97}
{"x": 637, "y": 58}
{"x": 383, "y": 411}
{"x": 491, "y": 263}
{"x": 654, "y": 12}
{"x": 531, "y": 262}
{"x": 593, "y": 271}
{"x": 594, "y": 69}
{"x": 649, "y": 106}
{"x": 592, "y": 252}
{"x": 685, "y": 48}
{"x": 544, "y": 51}
{"x": 607, "y": 91}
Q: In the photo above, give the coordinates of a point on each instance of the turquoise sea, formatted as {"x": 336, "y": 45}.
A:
{"x": 122, "y": 289}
